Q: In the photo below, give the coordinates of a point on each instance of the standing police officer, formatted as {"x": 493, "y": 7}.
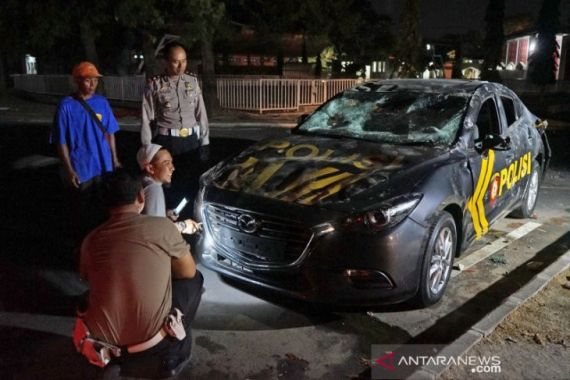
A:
{"x": 174, "y": 116}
{"x": 173, "y": 111}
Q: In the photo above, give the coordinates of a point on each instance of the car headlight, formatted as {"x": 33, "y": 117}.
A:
{"x": 386, "y": 215}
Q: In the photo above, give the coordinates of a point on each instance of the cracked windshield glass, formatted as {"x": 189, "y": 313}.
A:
{"x": 396, "y": 117}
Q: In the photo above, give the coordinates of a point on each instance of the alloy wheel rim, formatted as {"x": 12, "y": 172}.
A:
{"x": 440, "y": 260}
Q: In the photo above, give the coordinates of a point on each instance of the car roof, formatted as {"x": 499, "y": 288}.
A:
{"x": 425, "y": 85}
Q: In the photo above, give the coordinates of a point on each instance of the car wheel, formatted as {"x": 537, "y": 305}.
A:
{"x": 438, "y": 260}
{"x": 530, "y": 197}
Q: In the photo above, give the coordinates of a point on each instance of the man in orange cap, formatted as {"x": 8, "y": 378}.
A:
{"x": 83, "y": 131}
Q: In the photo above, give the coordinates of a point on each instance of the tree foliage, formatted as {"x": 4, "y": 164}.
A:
{"x": 356, "y": 31}
{"x": 62, "y": 32}
{"x": 352, "y": 27}
{"x": 409, "y": 46}
{"x": 542, "y": 63}
{"x": 195, "y": 21}
{"x": 494, "y": 39}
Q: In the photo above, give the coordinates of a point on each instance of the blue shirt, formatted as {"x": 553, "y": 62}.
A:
{"x": 89, "y": 151}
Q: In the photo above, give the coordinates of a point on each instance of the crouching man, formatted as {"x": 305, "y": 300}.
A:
{"x": 141, "y": 277}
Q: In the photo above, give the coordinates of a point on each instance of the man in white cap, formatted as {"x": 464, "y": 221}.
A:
{"x": 156, "y": 163}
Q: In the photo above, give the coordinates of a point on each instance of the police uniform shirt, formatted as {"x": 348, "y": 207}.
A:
{"x": 174, "y": 103}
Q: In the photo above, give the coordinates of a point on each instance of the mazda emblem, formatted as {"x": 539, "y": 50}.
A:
{"x": 247, "y": 223}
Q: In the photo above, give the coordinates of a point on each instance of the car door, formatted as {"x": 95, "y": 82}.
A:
{"x": 515, "y": 176}
{"x": 489, "y": 200}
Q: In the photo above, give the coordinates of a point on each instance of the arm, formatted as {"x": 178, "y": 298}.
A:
{"x": 58, "y": 137}
{"x": 154, "y": 204}
{"x": 72, "y": 177}
{"x": 111, "y": 127}
{"x": 112, "y": 145}
{"x": 188, "y": 226}
{"x": 183, "y": 267}
{"x": 181, "y": 262}
{"x": 147, "y": 115}
{"x": 202, "y": 119}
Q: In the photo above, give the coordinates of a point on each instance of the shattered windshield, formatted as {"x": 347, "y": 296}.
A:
{"x": 397, "y": 117}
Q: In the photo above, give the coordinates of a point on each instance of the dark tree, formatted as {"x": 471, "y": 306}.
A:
{"x": 368, "y": 36}
{"x": 280, "y": 62}
{"x": 352, "y": 27}
{"x": 144, "y": 17}
{"x": 543, "y": 61}
{"x": 318, "y": 67}
{"x": 195, "y": 21}
{"x": 494, "y": 39}
{"x": 456, "y": 72}
{"x": 272, "y": 20}
{"x": 409, "y": 46}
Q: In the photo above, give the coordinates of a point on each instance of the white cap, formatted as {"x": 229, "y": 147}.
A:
{"x": 146, "y": 154}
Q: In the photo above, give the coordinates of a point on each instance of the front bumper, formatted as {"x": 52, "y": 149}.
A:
{"x": 336, "y": 265}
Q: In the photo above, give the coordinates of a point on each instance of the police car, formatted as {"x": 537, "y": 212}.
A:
{"x": 374, "y": 194}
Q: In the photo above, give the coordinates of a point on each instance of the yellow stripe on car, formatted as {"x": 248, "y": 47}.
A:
{"x": 475, "y": 203}
{"x": 479, "y": 203}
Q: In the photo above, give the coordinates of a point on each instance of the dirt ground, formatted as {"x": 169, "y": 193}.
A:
{"x": 544, "y": 319}
{"x": 540, "y": 328}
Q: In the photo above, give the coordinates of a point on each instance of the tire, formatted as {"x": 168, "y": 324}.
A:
{"x": 438, "y": 260}
{"x": 528, "y": 202}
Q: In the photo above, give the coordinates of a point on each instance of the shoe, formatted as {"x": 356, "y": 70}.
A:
{"x": 173, "y": 366}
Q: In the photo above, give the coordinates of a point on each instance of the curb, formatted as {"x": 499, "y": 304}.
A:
{"x": 489, "y": 323}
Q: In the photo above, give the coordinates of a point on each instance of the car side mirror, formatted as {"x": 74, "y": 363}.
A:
{"x": 541, "y": 124}
{"x": 302, "y": 118}
{"x": 496, "y": 142}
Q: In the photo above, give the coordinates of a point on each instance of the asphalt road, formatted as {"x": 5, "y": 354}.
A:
{"x": 239, "y": 333}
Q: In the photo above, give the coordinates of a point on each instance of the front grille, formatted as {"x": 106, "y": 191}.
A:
{"x": 274, "y": 241}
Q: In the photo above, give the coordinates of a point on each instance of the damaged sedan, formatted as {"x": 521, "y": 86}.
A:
{"x": 374, "y": 194}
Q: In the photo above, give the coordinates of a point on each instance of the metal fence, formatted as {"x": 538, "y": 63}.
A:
{"x": 128, "y": 88}
{"x": 44, "y": 84}
{"x": 124, "y": 88}
{"x": 247, "y": 94}
{"x": 277, "y": 94}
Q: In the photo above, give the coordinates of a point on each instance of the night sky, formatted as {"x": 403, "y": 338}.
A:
{"x": 439, "y": 17}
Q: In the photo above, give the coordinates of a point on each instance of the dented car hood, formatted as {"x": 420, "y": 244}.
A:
{"x": 335, "y": 173}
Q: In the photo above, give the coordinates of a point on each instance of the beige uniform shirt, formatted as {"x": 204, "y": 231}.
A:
{"x": 174, "y": 103}
{"x": 127, "y": 263}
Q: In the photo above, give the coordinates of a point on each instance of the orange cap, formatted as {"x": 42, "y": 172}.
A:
{"x": 85, "y": 70}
